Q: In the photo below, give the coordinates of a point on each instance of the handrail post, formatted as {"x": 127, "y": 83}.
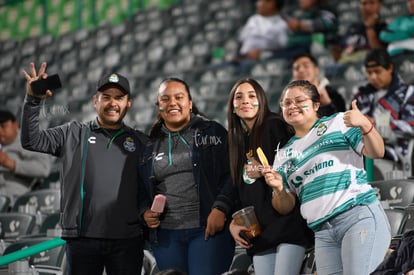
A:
{"x": 369, "y": 167}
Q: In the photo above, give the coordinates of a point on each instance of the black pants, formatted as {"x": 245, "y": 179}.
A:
{"x": 90, "y": 256}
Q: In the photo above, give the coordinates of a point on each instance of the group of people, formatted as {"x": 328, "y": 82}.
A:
{"x": 271, "y": 32}
{"x": 274, "y": 32}
{"x": 314, "y": 194}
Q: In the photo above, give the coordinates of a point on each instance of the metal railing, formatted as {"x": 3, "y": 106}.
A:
{"x": 31, "y": 250}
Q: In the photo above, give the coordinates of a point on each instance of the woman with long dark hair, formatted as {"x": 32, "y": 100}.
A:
{"x": 280, "y": 247}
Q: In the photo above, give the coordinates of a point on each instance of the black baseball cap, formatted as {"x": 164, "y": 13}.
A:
{"x": 6, "y": 116}
{"x": 114, "y": 79}
{"x": 378, "y": 57}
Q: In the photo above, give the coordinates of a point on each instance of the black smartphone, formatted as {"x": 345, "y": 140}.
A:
{"x": 243, "y": 235}
{"x": 52, "y": 82}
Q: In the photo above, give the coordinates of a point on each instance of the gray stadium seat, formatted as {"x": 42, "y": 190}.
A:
{"x": 397, "y": 219}
{"x": 409, "y": 224}
{"x": 15, "y": 225}
{"x": 44, "y": 201}
{"x": 395, "y": 193}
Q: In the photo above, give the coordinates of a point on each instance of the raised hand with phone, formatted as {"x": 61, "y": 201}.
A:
{"x": 99, "y": 157}
{"x": 40, "y": 84}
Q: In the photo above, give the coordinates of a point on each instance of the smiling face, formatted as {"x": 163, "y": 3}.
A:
{"x": 246, "y": 103}
{"x": 298, "y": 109}
{"x": 174, "y": 105}
{"x": 111, "y": 106}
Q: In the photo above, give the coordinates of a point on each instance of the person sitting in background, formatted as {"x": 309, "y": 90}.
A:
{"x": 309, "y": 19}
{"x": 264, "y": 31}
{"x": 363, "y": 35}
{"x": 19, "y": 168}
{"x": 399, "y": 34}
{"x": 387, "y": 100}
{"x": 305, "y": 67}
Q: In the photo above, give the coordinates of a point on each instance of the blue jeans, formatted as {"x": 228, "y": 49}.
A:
{"x": 284, "y": 259}
{"x": 187, "y": 250}
{"x": 354, "y": 242}
{"x": 90, "y": 256}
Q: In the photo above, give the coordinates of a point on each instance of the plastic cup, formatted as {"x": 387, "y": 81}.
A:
{"x": 247, "y": 217}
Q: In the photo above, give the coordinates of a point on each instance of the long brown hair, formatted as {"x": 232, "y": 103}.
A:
{"x": 236, "y": 132}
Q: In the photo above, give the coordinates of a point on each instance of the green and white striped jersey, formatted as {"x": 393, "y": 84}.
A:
{"x": 325, "y": 169}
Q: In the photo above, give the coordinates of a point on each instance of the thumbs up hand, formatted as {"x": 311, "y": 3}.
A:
{"x": 354, "y": 117}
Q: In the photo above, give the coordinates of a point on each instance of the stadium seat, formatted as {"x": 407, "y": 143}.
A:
{"x": 308, "y": 264}
{"x": 5, "y": 202}
{"x": 409, "y": 224}
{"x": 50, "y": 222}
{"x": 149, "y": 264}
{"x": 241, "y": 261}
{"x": 16, "y": 225}
{"x": 45, "y": 201}
{"x": 395, "y": 193}
{"x": 47, "y": 262}
{"x": 397, "y": 219}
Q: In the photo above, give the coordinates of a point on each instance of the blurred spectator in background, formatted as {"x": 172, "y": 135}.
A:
{"x": 265, "y": 31}
{"x": 388, "y": 101}
{"x": 311, "y": 18}
{"x": 400, "y": 32}
{"x": 364, "y": 35}
{"x": 305, "y": 67}
{"x": 19, "y": 168}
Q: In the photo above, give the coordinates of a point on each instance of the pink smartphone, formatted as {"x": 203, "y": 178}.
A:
{"x": 159, "y": 203}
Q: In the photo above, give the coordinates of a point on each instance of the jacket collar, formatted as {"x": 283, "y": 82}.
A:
{"x": 94, "y": 125}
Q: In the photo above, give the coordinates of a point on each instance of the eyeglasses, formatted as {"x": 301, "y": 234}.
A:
{"x": 297, "y": 101}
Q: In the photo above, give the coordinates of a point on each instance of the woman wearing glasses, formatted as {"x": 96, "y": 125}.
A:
{"x": 322, "y": 166}
{"x": 280, "y": 247}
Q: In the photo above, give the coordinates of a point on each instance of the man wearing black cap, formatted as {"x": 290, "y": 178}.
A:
{"x": 388, "y": 101}
{"x": 19, "y": 168}
{"x": 101, "y": 191}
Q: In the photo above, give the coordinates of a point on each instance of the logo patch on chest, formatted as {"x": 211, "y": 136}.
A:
{"x": 129, "y": 144}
